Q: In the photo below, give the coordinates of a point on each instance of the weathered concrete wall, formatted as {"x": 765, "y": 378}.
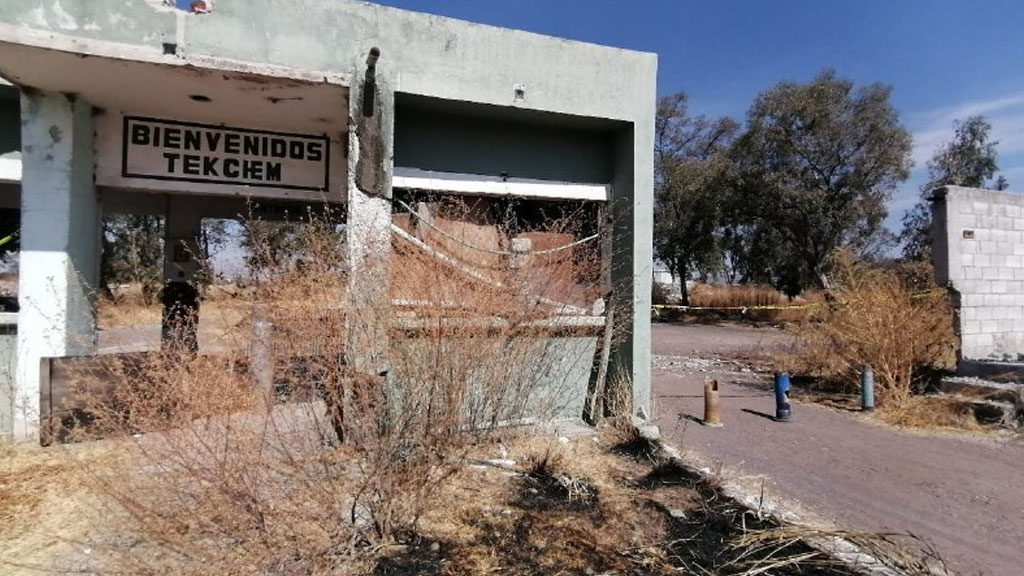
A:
{"x": 8, "y": 369}
{"x": 978, "y": 238}
{"x": 131, "y": 22}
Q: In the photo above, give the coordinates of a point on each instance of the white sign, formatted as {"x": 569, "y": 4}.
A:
{"x": 173, "y": 151}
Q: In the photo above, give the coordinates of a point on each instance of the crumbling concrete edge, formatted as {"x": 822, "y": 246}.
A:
{"x": 846, "y": 551}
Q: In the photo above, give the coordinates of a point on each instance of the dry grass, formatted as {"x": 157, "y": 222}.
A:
{"x": 520, "y": 505}
{"x": 726, "y": 295}
{"x": 50, "y": 519}
{"x": 877, "y": 317}
{"x": 933, "y": 412}
{"x": 749, "y": 302}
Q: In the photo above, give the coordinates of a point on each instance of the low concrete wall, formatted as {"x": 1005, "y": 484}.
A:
{"x": 8, "y": 370}
{"x": 978, "y": 240}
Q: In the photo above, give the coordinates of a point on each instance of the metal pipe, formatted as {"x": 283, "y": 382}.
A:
{"x": 370, "y": 82}
{"x": 783, "y": 411}
{"x": 867, "y": 389}
{"x": 372, "y": 57}
{"x": 712, "y": 407}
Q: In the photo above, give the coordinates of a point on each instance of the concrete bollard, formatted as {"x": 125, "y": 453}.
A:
{"x": 261, "y": 358}
{"x": 712, "y": 412}
{"x": 867, "y": 389}
{"x": 783, "y": 411}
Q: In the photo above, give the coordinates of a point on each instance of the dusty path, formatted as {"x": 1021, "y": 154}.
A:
{"x": 963, "y": 494}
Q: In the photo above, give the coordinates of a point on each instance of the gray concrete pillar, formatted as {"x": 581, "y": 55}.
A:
{"x": 632, "y": 262}
{"x": 183, "y": 223}
{"x": 370, "y": 165}
{"x": 60, "y": 243}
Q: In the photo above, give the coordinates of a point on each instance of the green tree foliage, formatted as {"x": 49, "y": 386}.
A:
{"x": 690, "y": 168}
{"x": 969, "y": 159}
{"x": 133, "y": 252}
{"x": 815, "y": 168}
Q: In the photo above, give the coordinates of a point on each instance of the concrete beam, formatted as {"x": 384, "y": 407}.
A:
{"x": 60, "y": 243}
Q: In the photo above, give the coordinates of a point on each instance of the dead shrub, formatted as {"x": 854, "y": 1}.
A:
{"x": 880, "y": 317}
{"x": 933, "y": 412}
{"x": 317, "y": 472}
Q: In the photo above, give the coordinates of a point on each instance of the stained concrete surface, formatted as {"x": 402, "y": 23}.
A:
{"x": 963, "y": 493}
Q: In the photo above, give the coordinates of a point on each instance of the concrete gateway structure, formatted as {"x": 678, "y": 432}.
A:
{"x": 131, "y": 106}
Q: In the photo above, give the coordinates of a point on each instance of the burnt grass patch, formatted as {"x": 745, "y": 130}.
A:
{"x": 720, "y": 536}
{"x": 642, "y": 518}
{"x": 543, "y": 487}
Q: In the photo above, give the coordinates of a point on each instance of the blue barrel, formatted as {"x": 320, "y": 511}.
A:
{"x": 783, "y": 412}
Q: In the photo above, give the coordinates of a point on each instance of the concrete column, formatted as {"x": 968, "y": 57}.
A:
{"x": 60, "y": 243}
{"x": 183, "y": 223}
{"x": 370, "y": 165}
{"x": 632, "y": 262}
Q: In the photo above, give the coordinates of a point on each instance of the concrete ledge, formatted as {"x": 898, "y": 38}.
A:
{"x": 999, "y": 371}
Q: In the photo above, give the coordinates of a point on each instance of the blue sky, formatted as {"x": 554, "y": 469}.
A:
{"x": 945, "y": 59}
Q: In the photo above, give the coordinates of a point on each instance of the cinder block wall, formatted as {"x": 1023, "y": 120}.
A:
{"x": 978, "y": 239}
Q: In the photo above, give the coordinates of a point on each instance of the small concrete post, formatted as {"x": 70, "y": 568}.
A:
{"x": 261, "y": 358}
{"x": 867, "y": 389}
{"x": 712, "y": 412}
{"x": 783, "y": 411}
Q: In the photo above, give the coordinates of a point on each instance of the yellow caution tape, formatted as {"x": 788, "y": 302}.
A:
{"x": 740, "y": 308}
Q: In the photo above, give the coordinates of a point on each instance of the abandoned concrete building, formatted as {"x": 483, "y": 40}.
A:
{"x": 116, "y": 107}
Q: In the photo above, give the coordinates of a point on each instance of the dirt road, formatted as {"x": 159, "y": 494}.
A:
{"x": 964, "y": 494}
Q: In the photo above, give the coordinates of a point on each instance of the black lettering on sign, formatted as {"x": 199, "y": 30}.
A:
{"x": 251, "y": 146}
{"x": 212, "y": 141}
{"x": 252, "y": 170}
{"x": 189, "y": 152}
{"x": 278, "y": 148}
{"x": 315, "y": 151}
{"x": 190, "y": 164}
{"x": 210, "y": 165}
{"x": 193, "y": 140}
{"x": 171, "y": 160}
{"x": 231, "y": 167}
{"x": 172, "y": 138}
{"x": 232, "y": 143}
{"x": 140, "y": 134}
{"x": 273, "y": 172}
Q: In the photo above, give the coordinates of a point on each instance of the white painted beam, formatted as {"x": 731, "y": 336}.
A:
{"x": 10, "y": 170}
{"x": 453, "y": 183}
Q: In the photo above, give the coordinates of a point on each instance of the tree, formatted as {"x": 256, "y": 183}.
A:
{"x": 133, "y": 251}
{"x": 815, "y": 168}
{"x": 970, "y": 159}
{"x": 690, "y": 165}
